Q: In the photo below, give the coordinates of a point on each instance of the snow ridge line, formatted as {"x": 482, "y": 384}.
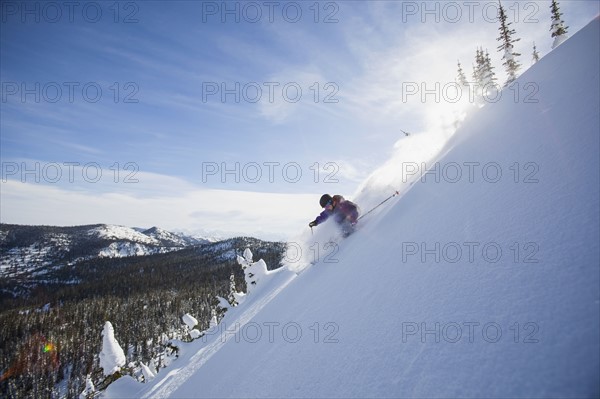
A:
{"x": 173, "y": 380}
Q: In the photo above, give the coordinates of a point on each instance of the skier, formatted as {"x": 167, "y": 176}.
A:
{"x": 344, "y": 212}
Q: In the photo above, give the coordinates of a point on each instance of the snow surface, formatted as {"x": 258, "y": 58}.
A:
{"x": 482, "y": 286}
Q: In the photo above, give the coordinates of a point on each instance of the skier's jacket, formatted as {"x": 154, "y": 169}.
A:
{"x": 343, "y": 212}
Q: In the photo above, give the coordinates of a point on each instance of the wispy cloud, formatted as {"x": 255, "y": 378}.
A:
{"x": 369, "y": 58}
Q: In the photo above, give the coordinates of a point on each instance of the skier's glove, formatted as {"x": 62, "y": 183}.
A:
{"x": 312, "y": 224}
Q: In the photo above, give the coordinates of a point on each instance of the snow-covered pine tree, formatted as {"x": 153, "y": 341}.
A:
{"x": 90, "y": 390}
{"x": 232, "y": 290}
{"x": 507, "y": 46}
{"x": 253, "y": 271}
{"x": 245, "y": 260}
{"x": 248, "y": 255}
{"x": 189, "y": 320}
{"x": 558, "y": 29}
{"x": 214, "y": 322}
{"x": 147, "y": 372}
{"x": 112, "y": 357}
{"x": 536, "y": 55}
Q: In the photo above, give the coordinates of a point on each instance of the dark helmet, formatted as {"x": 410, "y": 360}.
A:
{"x": 325, "y": 199}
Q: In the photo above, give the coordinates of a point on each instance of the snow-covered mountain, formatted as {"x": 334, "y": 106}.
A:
{"x": 26, "y": 249}
{"x": 167, "y": 238}
{"x": 480, "y": 280}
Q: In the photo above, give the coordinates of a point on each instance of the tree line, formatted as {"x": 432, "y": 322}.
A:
{"x": 483, "y": 74}
{"x": 51, "y": 337}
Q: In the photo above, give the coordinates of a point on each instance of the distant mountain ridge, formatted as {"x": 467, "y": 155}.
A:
{"x": 25, "y": 249}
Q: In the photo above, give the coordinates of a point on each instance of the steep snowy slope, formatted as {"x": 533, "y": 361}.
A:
{"x": 483, "y": 284}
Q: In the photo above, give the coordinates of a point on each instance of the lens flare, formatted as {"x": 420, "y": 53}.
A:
{"x": 49, "y": 347}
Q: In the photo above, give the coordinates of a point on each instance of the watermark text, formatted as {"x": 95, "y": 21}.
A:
{"x": 68, "y": 92}
{"x": 471, "y": 172}
{"x": 290, "y": 332}
{"x": 69, "y": 172}
{"x": 271, "y": 172}
{"x": 270, "y": 11}
{"x": 53, "y": 12}
{"x": 469, "y": 332}
{"x": 254, "y": 92}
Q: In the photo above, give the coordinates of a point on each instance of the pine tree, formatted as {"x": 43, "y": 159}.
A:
{"x": 507, "y": 40}
{"x": 558, "y": 29}
{"x": 536, "y": 55}
{"x": 479, "y": 73}
{"x": 489, "y": 76}
{"x": 478, "y": 68}
{"x": 232, "y": 290}
{"x": 461, "y": 78}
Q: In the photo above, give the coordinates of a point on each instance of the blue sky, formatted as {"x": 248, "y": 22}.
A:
{"x": 146, "y": 113}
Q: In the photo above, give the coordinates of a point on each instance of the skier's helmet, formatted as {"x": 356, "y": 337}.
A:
{"x": 325, "y": 199}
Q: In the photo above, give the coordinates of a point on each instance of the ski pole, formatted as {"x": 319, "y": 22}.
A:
{"x": 381, "y": 203}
